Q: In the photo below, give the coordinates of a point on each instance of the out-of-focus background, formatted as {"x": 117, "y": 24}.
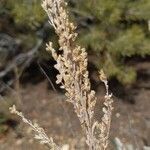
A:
{"x": 116, "y": 35}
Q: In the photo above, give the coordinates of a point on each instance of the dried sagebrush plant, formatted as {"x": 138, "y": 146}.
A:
{"x": 73, "y": 76}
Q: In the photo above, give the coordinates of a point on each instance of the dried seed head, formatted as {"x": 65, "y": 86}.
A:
{"x": 73, "y": 75}
{"x": 102, "y": 76}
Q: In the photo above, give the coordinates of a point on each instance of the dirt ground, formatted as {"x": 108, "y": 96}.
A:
{"x": 130, "y": 122}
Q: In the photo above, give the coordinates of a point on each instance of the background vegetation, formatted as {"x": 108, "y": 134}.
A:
{"x": 113, "y": 32}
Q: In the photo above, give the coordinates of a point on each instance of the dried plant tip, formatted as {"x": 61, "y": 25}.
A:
{"x": 102, "y": 76}
{"x": 12, "y": 109}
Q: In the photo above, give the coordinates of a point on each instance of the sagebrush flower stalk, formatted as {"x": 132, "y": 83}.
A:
{"x": 74, "y": 77}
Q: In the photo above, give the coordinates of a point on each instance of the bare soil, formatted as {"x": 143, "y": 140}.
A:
{"x": 130, "y": 122}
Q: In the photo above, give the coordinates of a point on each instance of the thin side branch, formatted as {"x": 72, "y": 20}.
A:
{"x": 39, "y": 132}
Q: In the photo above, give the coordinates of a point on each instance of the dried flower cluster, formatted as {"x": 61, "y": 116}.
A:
{"x": 73, "y": 76}
{"x": 39, "y": 132}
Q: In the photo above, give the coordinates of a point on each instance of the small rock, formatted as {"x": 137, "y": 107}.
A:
{"x": 146, "y": 148}
{"x": 19, "y": 142}
{"x": 117, "y": 115}
{"x": 65, "y": 147}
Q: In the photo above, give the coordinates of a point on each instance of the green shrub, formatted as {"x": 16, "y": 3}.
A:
{"x": 26, "y": 12}
{"x": 110, "y": 30}
{"x": 113, "y": 31}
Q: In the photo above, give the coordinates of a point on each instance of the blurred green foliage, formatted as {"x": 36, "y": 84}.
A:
{"x": 25, "y": 18}
{"x": 111, "y": 30}
{"x": 28, "y": 13}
